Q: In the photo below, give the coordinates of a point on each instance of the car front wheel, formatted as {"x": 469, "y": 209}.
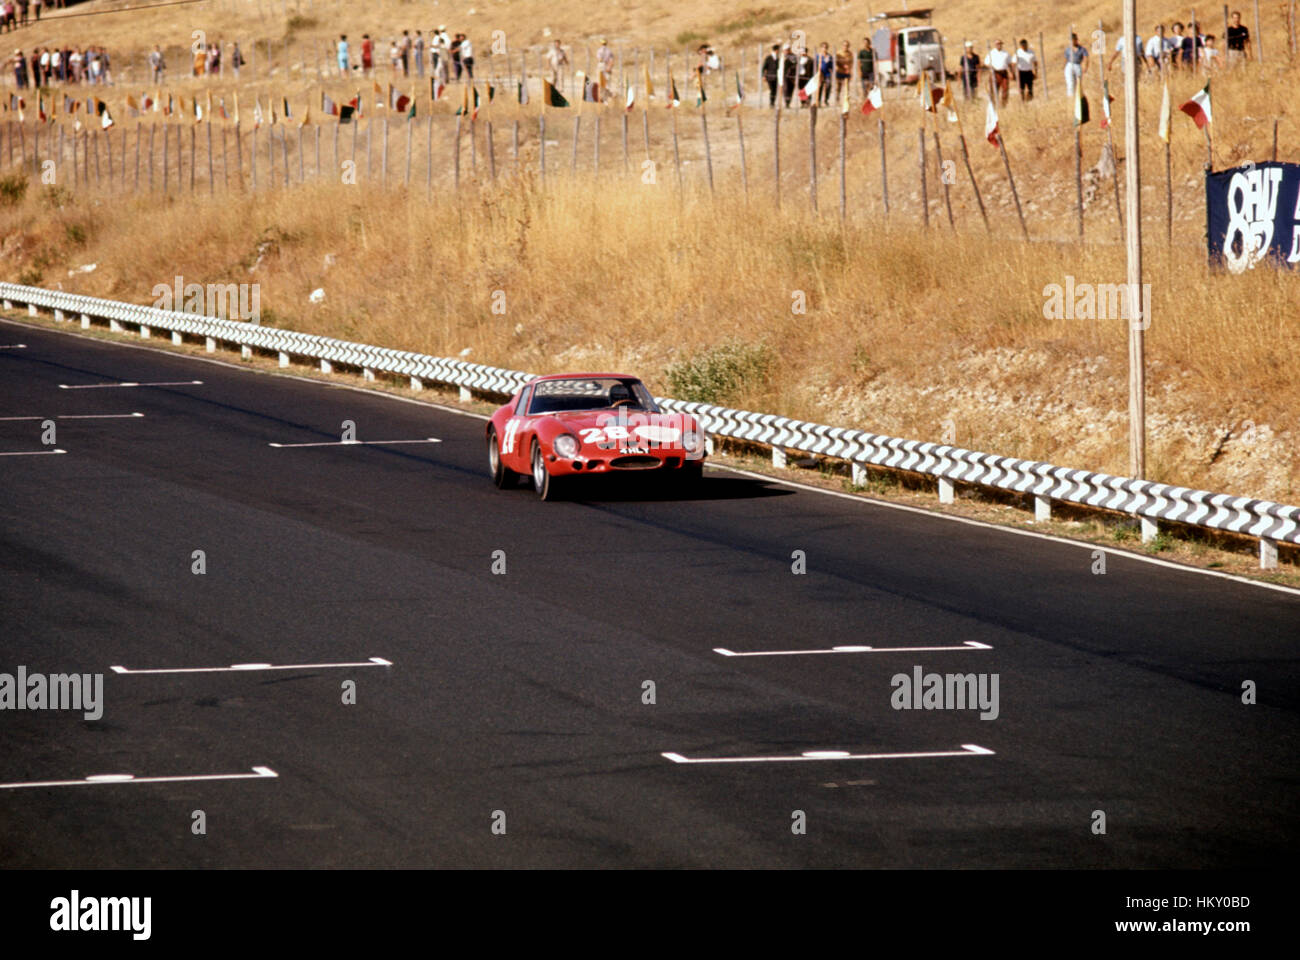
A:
{"x": 547, "y": 486}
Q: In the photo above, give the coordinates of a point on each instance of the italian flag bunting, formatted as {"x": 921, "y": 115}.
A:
{"x": 1198, "y": 108}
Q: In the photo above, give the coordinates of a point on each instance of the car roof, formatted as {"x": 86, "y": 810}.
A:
{"x": 585, "y": 376}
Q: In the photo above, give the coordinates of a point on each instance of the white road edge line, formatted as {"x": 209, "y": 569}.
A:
{"x": 128, "y": 383}
{"x": 351, "y": 443}
{"x": 967, "y": 750}
{"x": 81, "y": 416}
{"x": 253, "y": 667}
{"x": 13, "y": 346}
{"x": 865, "y": 501}
{"x": 1082, "y": 544}
{"x": 849, "y": 648}
{"x": 30, "y": 453}
{"x": 99, "y": 778}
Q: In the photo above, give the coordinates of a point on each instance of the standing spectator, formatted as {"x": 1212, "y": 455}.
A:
{"x": 999, "y": 62}
{"x": 1120, "y": 44}
{"x": 1174, "y": 45}
{"x": 394, "y": 56}
{"x": 1076, "y": 64}
{"x": 1210, "y": 58}
{"x": 605, "y": 58}
{"x": 843, "y": 70}
{"x": 826, "y": 71}
{"x": 1155, "y": 49}
{"x": 96, "y": 65}
{"x": 75, "y": 61}
{"x": 106, "y": 72}
{"x": 45, "y": 66}
{"x": 791, "y": 73}
{"x": 806, "y": 67}
{"x": 200, "y": 61}
{"x": 367, "y": 55}
{"x": 156, "y": 64}
{"x": 1239, "y": 46}
{"x": 772, "y": 72}
{"x": 714, "y": 62}
{"x": 467, "y": 56}
{"x": 236, "y": 58}
{"x": 36, "y": 69}
{"x": 404, "y": 48}
{"x": 455, "y": 55}
{"x": 556, "y": 59}
{"x": 343, "y": 54}
{"x": 56, "y": 65}
{"x": 1026, "y": 70}
{"x": 970, "y": 70}
{"x": 20, "y": 70}
{"x": 7, "y": 16}
{"x": 418, "y": 48}
{"x": 867, "y": 66}
{"x": 36, "y": 9}
{"x": 22, "y": 15}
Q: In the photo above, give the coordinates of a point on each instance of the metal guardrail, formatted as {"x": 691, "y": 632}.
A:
{"x": 1147, "y": 501}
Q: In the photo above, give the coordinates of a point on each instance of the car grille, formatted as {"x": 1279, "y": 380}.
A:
{"x": 634, "y": 463}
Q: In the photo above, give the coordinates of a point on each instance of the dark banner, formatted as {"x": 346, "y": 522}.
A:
{"x": 1254, "y": 215}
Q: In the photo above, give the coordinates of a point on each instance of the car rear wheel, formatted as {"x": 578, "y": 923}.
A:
{"x": 547, "y": 486}
{"x": 502, "y": 475}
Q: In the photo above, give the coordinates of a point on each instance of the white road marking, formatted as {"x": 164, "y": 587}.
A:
{"x": 127, "y": 383}
{"x": 13, "y": 346}
{"x": 81, "y": 416}
{"x": 967, "y": 750}
{"x": 246, "y": 667}
{"x": 351, "y": 443}
{"x": 257, "y": 774}
{"x": 968, "y": 645}
{"x": 30, "y": 453}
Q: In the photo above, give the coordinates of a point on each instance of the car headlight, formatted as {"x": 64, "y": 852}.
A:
{"x": 693, "y": 442}
{"x": 566, "y": 446}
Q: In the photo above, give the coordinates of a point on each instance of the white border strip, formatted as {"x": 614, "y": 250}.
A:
{"x": 254, "y": 667}
{"x": 967, "y": 750}
{"x": 850, "y": 648}
{"x": 128, "y": 383}
{"x": 258, "y": 773}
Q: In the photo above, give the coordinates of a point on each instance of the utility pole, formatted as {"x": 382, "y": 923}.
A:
{"x": 1138, "y": 321}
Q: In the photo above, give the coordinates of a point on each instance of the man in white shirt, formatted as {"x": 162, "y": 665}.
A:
{"x": 1026, "y": 70}
{"x": 1155, "y": 49}
{"x": 999, "y": 61}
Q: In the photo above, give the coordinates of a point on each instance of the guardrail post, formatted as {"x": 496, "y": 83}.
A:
{"x": 778, "y": 458}
{"x": 367, "y": 374}
{"x": 945, "y": 490}
{"x": 144, "y": 332}
{"x": 85, "y": 322}
{"x": 1149, "y": 529}
{"x": 859, "y": 478}
{"x": 177, "y": 339}
{"x": 465, "y": 395}
{"x": 326, "y": 366}
{"x": 417, "y": 383}
{"x": 1042, "y": 508}
{"x": 210, "y": 344}
{"x": 114, "y": 326}
{"x": 31, "y": 309}
{"x": 9, "y": 305}
{"x": 1267, "y": 554}
{"x": 58, "y": 316}
{"x": 708, "y": 445}
{"x": 245, "y": 352}
{"x": 284, "y": 359}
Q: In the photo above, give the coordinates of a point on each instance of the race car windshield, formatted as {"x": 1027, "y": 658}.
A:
{"x": 599, "y": 393}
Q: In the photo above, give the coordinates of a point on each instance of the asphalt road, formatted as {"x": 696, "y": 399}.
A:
{"x": 523, "y": 692}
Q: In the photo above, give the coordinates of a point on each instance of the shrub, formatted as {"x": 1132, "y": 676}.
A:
{"x": 12, "y": 189}
{"x": 718, "y": 374}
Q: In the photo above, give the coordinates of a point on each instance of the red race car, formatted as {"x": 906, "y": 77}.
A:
{"x": 559, "y": 428}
